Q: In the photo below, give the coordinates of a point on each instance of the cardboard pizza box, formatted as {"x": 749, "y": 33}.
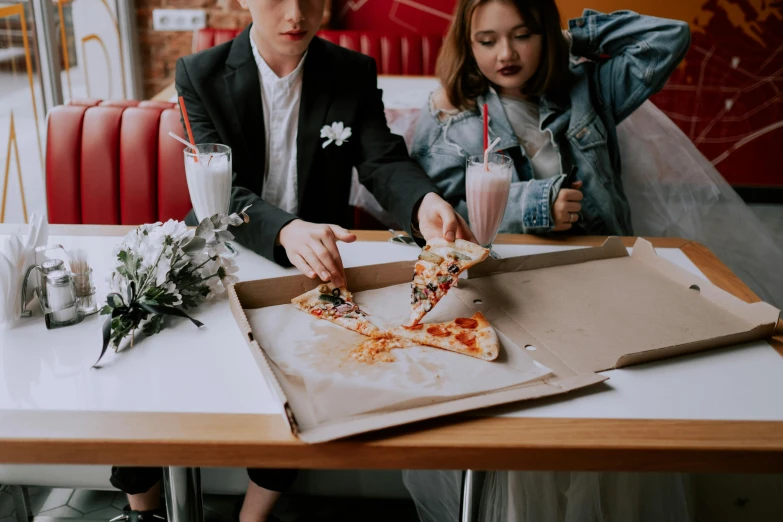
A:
{"x": 577, "y": 312}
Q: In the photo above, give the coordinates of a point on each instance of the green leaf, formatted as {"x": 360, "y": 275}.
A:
{"x": 154, "y": 325}
{"x": 195, "y": 245}
{"x": 224, "y": 236}
{"x": 166, "y": 300}
{"x": 114, "y": 301}
{"x": 205, "y": 228}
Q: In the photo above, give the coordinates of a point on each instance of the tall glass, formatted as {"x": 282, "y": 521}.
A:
{"x": 209, "y": 179}
{"x": 209, "y": 182}
{"x": 487, "y": 194}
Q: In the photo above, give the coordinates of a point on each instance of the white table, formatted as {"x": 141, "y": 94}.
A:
{"x": 55, "y": 408}
{"x": 204, "y": 398}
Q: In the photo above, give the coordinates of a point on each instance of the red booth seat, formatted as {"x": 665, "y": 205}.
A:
{"x": 395, "y": 54}
{"x": 113, "y": 163}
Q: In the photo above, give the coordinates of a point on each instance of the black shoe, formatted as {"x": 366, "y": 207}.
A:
{"x": 131, "y": 515}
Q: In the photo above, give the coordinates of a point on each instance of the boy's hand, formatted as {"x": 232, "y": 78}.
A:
{"x": 312, "y": 248}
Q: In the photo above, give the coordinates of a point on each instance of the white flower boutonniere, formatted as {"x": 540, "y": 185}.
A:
{"x": 336, "y": 132}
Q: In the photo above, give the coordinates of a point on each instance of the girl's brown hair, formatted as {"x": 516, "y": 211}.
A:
{"x": 458, "y": 71}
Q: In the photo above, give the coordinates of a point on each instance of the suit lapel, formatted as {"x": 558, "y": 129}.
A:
{"x": 317, "y": 87}
{"x": 244, "y": 90}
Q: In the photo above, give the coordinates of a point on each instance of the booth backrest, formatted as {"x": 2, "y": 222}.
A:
{"x": 113, "y": 163}
{"x": 395, "y": 54}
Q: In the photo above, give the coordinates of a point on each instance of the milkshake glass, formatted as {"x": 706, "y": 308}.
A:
{"x": 209, "y": 182}
{"x": 487, "y": 195}
{"x": 209, "y": 179}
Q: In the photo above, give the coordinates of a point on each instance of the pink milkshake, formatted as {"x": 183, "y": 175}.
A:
{"x": 487, "y": 195}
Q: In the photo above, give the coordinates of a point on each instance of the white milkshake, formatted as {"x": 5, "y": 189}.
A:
{"x": 487, "y": 195}
{"x": 209, "y": 179}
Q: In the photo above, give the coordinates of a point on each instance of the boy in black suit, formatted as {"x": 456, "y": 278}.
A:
{"x": 298, "y": 113}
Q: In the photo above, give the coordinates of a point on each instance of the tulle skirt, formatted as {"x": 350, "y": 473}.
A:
{"x": 549, "y": 496}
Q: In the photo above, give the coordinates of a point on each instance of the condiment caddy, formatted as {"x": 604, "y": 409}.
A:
{"x": 66, "y": 294}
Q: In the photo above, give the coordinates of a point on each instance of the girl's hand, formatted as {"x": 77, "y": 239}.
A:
{"x": 567, "y": 207}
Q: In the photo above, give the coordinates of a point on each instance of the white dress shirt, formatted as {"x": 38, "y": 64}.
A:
{"x": 280, "y": 99}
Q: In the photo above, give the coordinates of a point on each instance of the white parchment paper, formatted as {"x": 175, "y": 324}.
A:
{"x": 315, "y": 355}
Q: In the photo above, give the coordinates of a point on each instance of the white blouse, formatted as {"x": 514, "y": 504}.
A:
{"x": 543, "y": 155}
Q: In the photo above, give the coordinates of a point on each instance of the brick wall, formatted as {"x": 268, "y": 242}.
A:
{"x": 160, "y": 49}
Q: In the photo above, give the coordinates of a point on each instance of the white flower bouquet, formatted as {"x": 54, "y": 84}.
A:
{"x": 163, "y": 269}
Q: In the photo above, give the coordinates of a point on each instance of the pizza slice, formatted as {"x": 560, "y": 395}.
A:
{"x": 336, "y": 305}
{"x": 439, "y": 265}
{"x": 472, "y": 336}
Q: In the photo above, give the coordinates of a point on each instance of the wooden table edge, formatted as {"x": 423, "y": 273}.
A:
{"x": 153, "y": 439}
{"x": 448, "y": 443}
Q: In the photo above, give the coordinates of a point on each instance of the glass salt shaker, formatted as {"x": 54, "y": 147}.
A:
{"x": 60, "y": 298}
{"x": 47, "y": 267}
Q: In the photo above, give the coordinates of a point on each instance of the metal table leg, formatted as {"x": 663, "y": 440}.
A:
{"x": 21, "y": 503}
{"x": 183, "y": 494}
{"x": 472, "y": 484}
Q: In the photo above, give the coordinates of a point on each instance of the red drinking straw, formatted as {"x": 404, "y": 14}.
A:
{"x": 187, "y": 124}
{"x": 486, "y": 127}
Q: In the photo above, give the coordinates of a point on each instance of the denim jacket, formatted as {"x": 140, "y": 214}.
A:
{"x": 642, "y": 52}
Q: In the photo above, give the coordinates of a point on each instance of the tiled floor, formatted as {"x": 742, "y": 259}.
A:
{"x": 56, "y": 505}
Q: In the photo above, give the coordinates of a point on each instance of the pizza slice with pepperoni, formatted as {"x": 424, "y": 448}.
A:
{"x": 472, "y": 336}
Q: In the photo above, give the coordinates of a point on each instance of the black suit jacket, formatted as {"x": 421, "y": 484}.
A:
{"x": 222, "y": 95}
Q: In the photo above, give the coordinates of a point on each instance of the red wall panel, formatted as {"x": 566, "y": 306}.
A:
{"x": 727, "y": 96}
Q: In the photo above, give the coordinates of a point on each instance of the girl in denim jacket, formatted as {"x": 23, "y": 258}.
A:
{"x": 553, "y": 110}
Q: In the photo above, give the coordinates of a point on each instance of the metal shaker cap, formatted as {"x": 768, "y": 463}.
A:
{"x": 58, "y": 278}
{"x": 50, "y": 265}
